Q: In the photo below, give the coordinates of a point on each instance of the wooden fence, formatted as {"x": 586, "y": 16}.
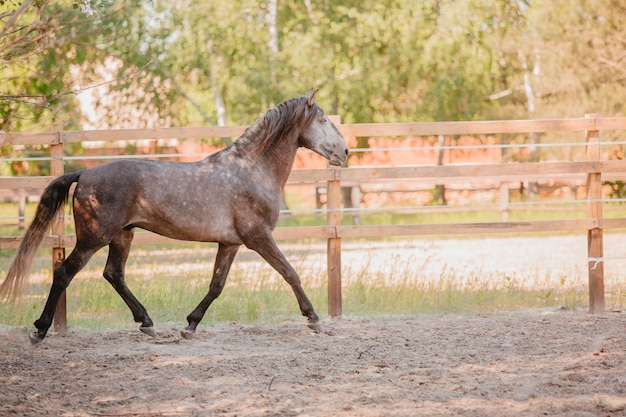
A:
{"x": 593, "y": 168}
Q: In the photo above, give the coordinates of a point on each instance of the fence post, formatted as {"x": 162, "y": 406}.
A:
{"x": 333, "y": 247}
{"x": 22, "y": 196}
{"x": 504, "y": 200}
{"x": 595, "y": 245}
{"x": 58, "y": 228}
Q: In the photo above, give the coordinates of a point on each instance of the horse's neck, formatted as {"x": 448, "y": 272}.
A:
{"x": 279, "y": 158}
{"x": 275, "y": 162}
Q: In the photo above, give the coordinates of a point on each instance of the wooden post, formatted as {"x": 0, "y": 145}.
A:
{"x": 595, "y": 246}
{"x": 504, "y": 200}
{"x": 22, "y": 196}
{"x": 333, "y": 248}
{"x": 58, "y": 228}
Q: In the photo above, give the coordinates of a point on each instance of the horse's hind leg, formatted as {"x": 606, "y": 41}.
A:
{"x": 62, "y": 277}
{"x": 223, "y": 261}
{"x": 114, "y": 274}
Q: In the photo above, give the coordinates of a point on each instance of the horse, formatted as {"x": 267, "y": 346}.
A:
{"x": 231, "y": 197}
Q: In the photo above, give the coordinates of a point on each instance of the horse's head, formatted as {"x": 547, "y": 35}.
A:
{"x": 321, "y": 135}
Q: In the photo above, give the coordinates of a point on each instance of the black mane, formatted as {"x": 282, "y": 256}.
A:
{"x": 272, "y": 126}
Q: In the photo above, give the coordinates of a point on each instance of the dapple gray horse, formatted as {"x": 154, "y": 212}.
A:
{"x": 230, "y": 197}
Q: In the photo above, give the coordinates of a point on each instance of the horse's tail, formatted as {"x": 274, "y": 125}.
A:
{"x": 52, "y": 199}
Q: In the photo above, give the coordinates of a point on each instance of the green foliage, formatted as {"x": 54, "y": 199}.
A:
{"x": 41, "y": 41}
{"x": 617, "y": 188}
{"x": 210, "y": 61}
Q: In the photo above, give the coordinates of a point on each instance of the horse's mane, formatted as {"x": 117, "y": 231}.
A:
{"x": 272, "y": 126}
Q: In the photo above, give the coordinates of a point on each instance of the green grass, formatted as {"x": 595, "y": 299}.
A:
{"x": 93, "y": 305}
{"x": 164, "y": 280}
{"x": 256, "y": 294}
{"x": 452, "y": 296}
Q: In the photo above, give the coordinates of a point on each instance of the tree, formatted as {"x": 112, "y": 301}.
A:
{"x": 212, "y": 62}
{"x": 41, "y": 40}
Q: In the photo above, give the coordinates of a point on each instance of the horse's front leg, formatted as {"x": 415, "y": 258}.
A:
{"x": 223, "y": 261}
{"x": 267, "y": 248}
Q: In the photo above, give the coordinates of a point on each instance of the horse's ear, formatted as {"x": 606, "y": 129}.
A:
{"x": 311, "y": 97}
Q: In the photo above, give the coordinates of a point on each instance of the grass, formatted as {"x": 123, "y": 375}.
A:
{"x": 256, "y": 294}
{"x": 170, "y": 280}
{"x": 93, "y": 305}
{"x": 451, "y": 296}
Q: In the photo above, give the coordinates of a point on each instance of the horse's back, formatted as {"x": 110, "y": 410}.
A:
{"x": 180, "y": 200}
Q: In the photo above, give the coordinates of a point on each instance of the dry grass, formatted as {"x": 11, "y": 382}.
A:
{"x": 402, "y": 277}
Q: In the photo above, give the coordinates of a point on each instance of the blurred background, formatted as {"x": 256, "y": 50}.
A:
{"x": 116, "y": 64}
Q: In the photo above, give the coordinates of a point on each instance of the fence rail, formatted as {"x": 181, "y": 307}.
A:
{"x": 593, "y": 169}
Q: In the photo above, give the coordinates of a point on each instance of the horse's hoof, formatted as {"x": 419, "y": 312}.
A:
{"x": 35, "y": 338}
{"x": 148, "y": 330}
{"x": 315, "y": 326}
{"x": 187, "y": 334}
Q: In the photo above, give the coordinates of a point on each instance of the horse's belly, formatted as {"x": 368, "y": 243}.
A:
{"x": 192, "y": 228}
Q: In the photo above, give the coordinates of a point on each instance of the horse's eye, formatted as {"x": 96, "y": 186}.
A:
{"x": 323, "y": 120}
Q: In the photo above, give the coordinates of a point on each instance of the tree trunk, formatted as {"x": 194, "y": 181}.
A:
{"x": 220, "y": 107}
{"x": 272, "y": 12}
{"x": 533, "y": 187}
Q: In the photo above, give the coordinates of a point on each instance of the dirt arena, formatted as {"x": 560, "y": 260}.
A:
{"x": 555, "y": 362}
{"x": 549, "y": 362}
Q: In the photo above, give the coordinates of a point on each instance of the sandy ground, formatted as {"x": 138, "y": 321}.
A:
{"x": 558, "y": 363}
{"x": 549, "y": 362}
